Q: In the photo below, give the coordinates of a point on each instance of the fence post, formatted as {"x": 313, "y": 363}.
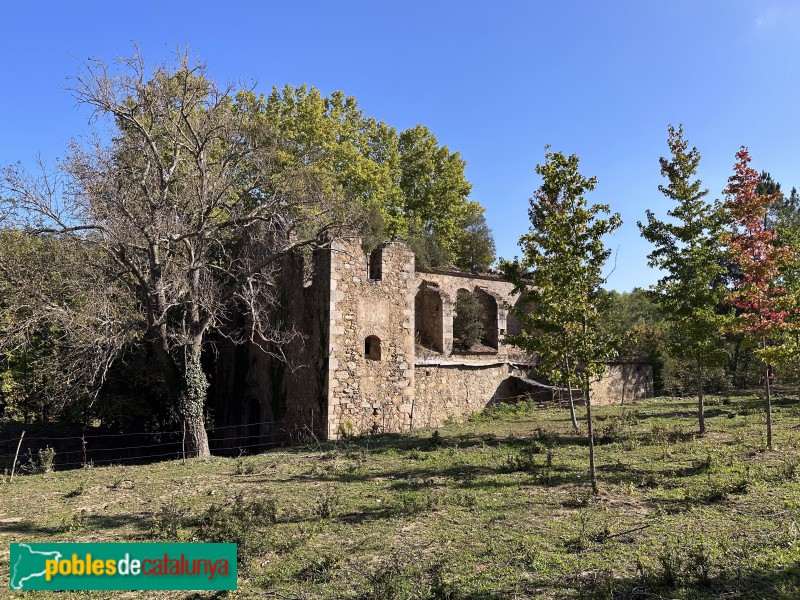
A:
{"x": 16, "y": 454}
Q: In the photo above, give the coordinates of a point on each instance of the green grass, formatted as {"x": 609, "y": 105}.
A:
{"x": 495, "y": 508}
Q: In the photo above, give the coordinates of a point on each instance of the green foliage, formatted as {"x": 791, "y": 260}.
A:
{"x": 559, "y": 277}
{"x": 167, "y": 523}
{"x": 476, "y": 249}
{"x": 45, "y": 459}
{"x": 687, "y": 249}
{"x": 75, "y": 522}
{"x": 692, "y": 292}
{"x": 243, "y": 522}
{"x": 326, "y": 504}
{"x": 468, "y": 324}
{"x": 408, "y": 186}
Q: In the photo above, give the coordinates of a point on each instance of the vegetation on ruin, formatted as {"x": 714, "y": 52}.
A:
{"x": 499, "y": 507}
{"x": 468, "y": 324}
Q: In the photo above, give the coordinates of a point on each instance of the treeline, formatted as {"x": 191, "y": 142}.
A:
{"x": 724, "y": 313}
{"x": 724, "y": 308}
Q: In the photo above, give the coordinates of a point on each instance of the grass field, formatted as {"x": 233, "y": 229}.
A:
{"x": 494, "y": 508}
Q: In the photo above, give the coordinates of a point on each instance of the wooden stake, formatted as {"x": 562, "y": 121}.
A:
{"x": 16, "y": 454}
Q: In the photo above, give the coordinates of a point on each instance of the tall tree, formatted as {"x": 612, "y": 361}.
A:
{"x": 184, "y": 210}
{"x": 435, "y": 189}
{"x": 687, "y": 250}
{"x": 468, "y": 324}
{"x": 414, "y": 188}
{"x": 559, "y": 277}
{"x": 759, "y": 294}
{"x": 476, "y": 251}
{"x": 56, "y": 298}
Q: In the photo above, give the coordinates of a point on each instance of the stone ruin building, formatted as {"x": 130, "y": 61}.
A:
{"x": 377, "y": 353}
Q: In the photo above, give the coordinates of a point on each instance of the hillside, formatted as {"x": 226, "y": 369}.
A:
{"x": 494, "y": 508}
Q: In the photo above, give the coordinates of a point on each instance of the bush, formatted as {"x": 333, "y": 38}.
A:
{"x": 42, "y": 463}
{"x": 242, "y": 523}
{"x": 468, "y": 323}
{"x": 168, "y": 521}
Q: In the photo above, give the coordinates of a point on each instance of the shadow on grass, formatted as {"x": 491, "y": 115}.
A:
{"x": 83, "y": 521}
{"x": 776, "y": 584}
{"x": 100, "y": 522}
{"x": 27, "y": 527}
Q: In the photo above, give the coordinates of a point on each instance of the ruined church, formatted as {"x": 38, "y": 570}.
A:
{"x": 376, "y": 352}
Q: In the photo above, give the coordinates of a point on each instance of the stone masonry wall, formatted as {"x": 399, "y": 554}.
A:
{"x": 623, "y": 383}
{"x": 355, "y": 368}
{"x": 455, "y": 390}
{"x": 367, "y": 395}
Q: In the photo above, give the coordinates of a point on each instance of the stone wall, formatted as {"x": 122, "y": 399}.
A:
{"x": 623, "y": 383}
{"x": 261, "y": 400}
{"x": 375, "y": 353}
{"x": 493, "y": 293}
{"x": 366, "y": 395}
{"x": 447, "y": 389}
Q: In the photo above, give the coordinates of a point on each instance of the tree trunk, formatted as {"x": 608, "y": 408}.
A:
{"x": 590, "y": 427}
{"x": 701, "y": 413}
{"x": 189, "y": 390}
{"x": 571, "y": 401}
{"x": 192, "y": 403}
{"x": 768, "y": 408}
{"x": 734, "y": 364}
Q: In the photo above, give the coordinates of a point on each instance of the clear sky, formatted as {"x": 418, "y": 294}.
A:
{"x": 496, "y": 81}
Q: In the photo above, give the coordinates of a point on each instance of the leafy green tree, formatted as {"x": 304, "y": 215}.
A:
{"x": 559, "y": 276}
{"x": 62, "y": 325}
{"x": 637, "y": 322}
{"x": 435, "y": 189}
{"x": 476, "y": 249}
{"x": 349, "y": 153}
{"x": 411, "y": 187}
{"x": 187, "y": 212}
{"x": 687, "y": 250}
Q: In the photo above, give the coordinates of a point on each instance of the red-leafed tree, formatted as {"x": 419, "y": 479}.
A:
{"x": 762, "y": 303}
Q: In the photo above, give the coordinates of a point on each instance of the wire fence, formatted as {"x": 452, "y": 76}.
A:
{"x": 136, "y": 433}
{"x": 101, "y": 449}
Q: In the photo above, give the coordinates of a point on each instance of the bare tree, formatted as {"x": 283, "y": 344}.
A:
{"x": 64, "y": 322}
{"x": 186, "y": 208}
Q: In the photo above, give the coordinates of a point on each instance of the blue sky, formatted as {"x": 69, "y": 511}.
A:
{"x": 495, "y": 81}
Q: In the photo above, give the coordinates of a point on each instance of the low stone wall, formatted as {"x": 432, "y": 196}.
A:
{"x": 450, "y": 389}
{"x": 623, "y": 383}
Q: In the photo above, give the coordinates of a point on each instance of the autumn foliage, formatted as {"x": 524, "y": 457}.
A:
{"x": 762, "y": 302}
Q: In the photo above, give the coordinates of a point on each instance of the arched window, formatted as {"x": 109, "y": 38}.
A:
{"x": 372, "y": 348}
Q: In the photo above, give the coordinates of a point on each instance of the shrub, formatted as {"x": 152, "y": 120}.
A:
{"x": 468, "y": 323}
{"x": 167, "y": 522}
{"x": 326, "y": 504}
{"x": 242, "y": 523}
